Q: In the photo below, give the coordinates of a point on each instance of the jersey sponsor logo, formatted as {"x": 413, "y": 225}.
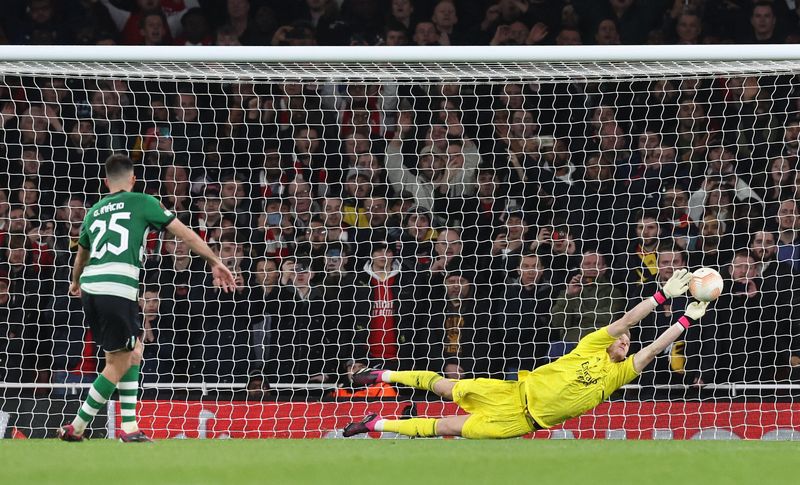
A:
{"x": 110, "y": 207}
{"x": 585, "y": 377}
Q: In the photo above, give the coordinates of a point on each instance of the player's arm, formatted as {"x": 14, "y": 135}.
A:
{"x": 694, "y": 311}
{"x": 77, "y": 270}
{"x": 222, "y": 275}
{"x": 675, "y": 286}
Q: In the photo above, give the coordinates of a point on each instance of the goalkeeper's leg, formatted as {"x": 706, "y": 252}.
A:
{"x": 415, "y": 427}
{"x": 418, "y": 379}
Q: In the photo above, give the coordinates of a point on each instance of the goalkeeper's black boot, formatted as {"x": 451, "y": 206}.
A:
{"x": 67, "y": 433}
{"x": 135, "y": 437}
{"x": 366, "y": 425}
{"x": 367, "y": 377}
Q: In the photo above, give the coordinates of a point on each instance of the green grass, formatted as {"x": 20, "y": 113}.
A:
{"x": 380, "y": 462}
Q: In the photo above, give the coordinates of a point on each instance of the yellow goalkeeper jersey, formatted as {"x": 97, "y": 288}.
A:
{"x": 577, "y": 382}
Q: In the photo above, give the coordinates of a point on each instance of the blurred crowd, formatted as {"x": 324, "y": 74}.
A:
{"x": 398, "y": 22}
{"x": 472, "y": 229}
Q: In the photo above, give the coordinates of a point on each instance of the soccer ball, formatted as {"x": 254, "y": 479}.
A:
{"x": 706, "y": 284}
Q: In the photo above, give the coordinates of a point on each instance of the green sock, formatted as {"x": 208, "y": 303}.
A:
{"x": 419, "y": 379}
{"x": 422, "y": 427}
{"x": 101, "y": 390}
{"x": 128, "y": 392}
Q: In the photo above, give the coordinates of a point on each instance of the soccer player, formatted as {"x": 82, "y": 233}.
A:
{"x": 106, "y": 278}
{"x": 549, "y": 395}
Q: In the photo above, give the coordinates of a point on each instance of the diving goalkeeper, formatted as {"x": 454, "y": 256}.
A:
{"x": 549, "y": 395}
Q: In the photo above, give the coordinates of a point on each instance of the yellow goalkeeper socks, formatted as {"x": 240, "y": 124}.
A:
{"x": 420, "y": 379}
{"x": 421, "y": 427}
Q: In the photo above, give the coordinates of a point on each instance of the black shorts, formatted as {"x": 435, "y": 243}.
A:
{"x": 114, "y": 321}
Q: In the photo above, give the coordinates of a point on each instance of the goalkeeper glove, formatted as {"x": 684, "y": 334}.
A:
{"x": 675, "y": 286}
{"x": 694, "y": 312}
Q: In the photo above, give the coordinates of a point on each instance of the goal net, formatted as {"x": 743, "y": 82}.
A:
{"x": 474, "y": 216}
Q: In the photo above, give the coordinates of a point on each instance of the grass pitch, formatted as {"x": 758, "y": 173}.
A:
{"x": 380, "y": 462}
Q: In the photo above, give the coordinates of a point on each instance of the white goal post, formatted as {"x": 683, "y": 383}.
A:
{"x": 526, "y": 195}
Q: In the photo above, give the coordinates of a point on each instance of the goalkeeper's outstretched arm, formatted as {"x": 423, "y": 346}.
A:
{"x": 694, "y": 311}
{"x": 675, "y": 286}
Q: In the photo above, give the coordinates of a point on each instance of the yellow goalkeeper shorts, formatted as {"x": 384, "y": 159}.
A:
{"x": 497, "y": 408}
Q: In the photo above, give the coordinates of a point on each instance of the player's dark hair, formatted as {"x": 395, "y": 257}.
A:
{"x": 118, "y": 166}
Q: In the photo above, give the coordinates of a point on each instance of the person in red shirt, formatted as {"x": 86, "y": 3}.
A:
{"x": 128, "y": 22}
{"x": 383, "y": 273}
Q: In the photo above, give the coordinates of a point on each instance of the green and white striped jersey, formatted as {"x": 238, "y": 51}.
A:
{"x": 114, "y": 232}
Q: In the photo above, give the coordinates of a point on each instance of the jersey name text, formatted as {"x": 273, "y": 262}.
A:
{"x": 109, "y": 208}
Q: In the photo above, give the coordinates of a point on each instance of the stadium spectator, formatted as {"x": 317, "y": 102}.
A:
{"x": 301, "y": 201}
{"x": 177, "y": 274}
{"x": 390, "y": 338}
{"x": 464, "y": 337}
{"x": 763, "y": 23}
{"x": 559, "y": 251}
{"x": 129, "y": 22}
{"x": 234, "y": 201}
{"x": 589, "y": 198}
{"x": 508, "y": 244}
{"x": 641, "y": 256}
{"x": 159, "y": 354}
{"x": 380, "y": 228}
{"x": 688, "y": 28}
{"x": 151, "y": 26}
{"x": 681, "y": 362}
{"x": 265, "y": 310}
{"x": 729, "y": 353}
{"x": 395, "y": 35}
{"x": 788, "y": 225}
{"x": 710, "y": 247}
{"x": 195, "y": 28}
{"x": 28, "y": 290}
{"x": 779, "y": 297}
{"x": 445, "y": 19}
{"x": 186, "y": 129}
{"x": 207, "y": 216}
{"x": 298, "y": 350}
{"x": 416, "y": 243}
{"x": 42, "y": 25}
{"x": 778, "y": 185}
{"x": 522, "y": 319}
{"x": 251, "y": 161}
{"x": 606, "y": 32}
{"x": 11, "y": 333}
{"x": 675, "y": 217}
{"x": 448, "y": 254}
{"x": 347, "y": 310}
{"x": 589, "y": 301}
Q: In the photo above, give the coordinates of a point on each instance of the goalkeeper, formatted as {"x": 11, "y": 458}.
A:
{"x": 549, "y": 395}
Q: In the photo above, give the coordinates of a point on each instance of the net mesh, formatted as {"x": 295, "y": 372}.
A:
{"x": 475, "y": 219}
